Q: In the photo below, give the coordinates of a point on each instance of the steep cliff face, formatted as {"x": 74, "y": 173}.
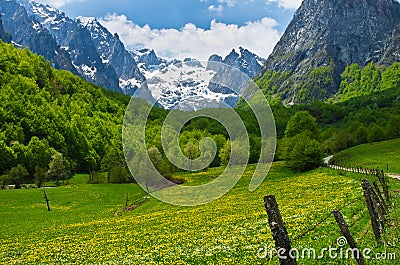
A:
{"x": 329, "y": 35}
{"x": 114, "y": 55}
{"x": 4, "y": 35}
{"x": 392, "y": 52}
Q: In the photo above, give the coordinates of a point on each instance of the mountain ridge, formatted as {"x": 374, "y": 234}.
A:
{"x": 327, "y": 36}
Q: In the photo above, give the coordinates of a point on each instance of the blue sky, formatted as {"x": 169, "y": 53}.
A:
{"x": 189, "y": 28}
{"x": 176, "y": 13}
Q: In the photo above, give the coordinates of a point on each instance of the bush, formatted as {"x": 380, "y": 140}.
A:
{"x": 120, "y": 175}
{"x": 303, "y": 153}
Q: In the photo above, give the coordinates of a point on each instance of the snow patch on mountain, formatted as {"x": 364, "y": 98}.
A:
{"x": 129, "y": 84}
{"x": 36, "y": 26}
{"x": 48, "y": 14}
{"x": 88, "y": 71}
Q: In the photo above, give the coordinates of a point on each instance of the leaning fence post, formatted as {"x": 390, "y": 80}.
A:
{"x": 47, "y": 200}
{"x": 371, "y": 209}
{"x": 379, "y": 208}
{"x": 379, "y": 193}
{"x": 384, "y": 182}
{"x": 279, "y": 232}
{"x": 346, "y": 233}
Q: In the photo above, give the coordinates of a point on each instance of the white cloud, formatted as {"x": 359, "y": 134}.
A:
{"x": 288, "y": 4}
{"x": 230, "y": 3}
{"x": 221, "y": 4}
{"x": 217, "y": 9}
{"x": 190, "y": 41}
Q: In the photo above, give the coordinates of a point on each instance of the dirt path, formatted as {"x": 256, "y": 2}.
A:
{"x": 394, "y": 176}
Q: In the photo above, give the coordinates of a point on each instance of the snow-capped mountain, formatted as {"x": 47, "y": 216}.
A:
{"x": 184, "y": 85}
{"x": 191, "y": 84}
{"x": 147, "y": 60}
{"x": 175, "y": 83}
{"x": 75, "y": 40}
{"x": 88, "y": 48}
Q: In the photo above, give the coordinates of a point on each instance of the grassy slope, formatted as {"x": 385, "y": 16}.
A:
{"x": 371, "y": 156}
{"x": 82, "y": 229}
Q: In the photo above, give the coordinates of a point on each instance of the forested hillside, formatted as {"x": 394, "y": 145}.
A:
{"x": 48, "y": 116}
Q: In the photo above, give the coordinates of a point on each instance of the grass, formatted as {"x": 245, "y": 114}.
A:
{"x": 372, "y": 155}
{"x": 25, "y": 211}
{"x": 79, "y": 179}
{"x": 82, "y": 229}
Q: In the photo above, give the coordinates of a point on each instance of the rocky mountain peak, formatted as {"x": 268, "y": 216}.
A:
{"x": 233, "y": 55}
{"x": 245, "y": 61}
{"x": 27, "y": 31}
{"x": 147, "y": 58}
{"x": 192, "y": 62}
{"x": 215, "y": 58}
{"x": 325, "y": 33}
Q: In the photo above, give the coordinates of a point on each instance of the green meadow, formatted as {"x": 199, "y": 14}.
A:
{"x": 372, "y": 155}
{"x": 82, "y": 227}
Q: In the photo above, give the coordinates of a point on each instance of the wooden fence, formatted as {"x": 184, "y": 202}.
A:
{"x": 377, "y": 202}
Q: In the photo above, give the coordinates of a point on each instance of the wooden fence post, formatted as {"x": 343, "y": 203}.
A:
{"x": 384, "y": 182}
{"x": 346, "y": 233}
{"x": 386, "y": 186}
{"x": 126, "y": 200}
{"x": 379, "y": 193}
{"x": 47, "y": 200}
{"x": 279, "y": 232}
{"x": 380, "y": 210}
{"x": 372, "y": 210}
